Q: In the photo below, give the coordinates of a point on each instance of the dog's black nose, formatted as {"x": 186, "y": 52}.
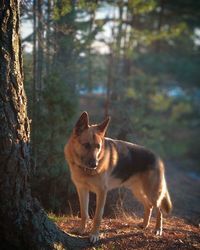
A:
{"x": 93, "y": 163}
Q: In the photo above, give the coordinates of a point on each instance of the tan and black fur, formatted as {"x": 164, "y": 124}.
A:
{"x": 99, "y": 164}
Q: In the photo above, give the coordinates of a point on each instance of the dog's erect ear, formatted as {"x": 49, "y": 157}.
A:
{"x": 102, "y": 127}
{"x": 82, "y": 123}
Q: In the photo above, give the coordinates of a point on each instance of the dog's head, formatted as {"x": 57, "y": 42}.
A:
{"x": 89, "y": 141}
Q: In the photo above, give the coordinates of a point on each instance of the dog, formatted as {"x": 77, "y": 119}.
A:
{"x": 99, "y": 164}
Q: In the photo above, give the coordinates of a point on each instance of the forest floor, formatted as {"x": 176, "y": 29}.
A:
{"x": 124, "y": 233}
{"x": 181, "y": 229}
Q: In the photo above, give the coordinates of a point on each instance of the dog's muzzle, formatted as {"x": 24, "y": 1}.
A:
{"x": 93, "y": 164}
{"x": 89, "y": 171}
{"x": 91, "y": 168}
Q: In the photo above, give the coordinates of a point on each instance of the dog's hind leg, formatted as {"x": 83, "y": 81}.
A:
{"x": 147, "y": 216}
{"x": 158, "y": 228}
{"x": 141, "y": 196}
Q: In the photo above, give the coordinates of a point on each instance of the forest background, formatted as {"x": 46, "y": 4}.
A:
{"x": 135, "y": 60}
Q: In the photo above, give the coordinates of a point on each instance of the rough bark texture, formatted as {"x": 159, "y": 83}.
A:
{"x": 23, "y": 223}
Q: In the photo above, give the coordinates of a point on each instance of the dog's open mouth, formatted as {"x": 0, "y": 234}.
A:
{"x": 89, "y": 170}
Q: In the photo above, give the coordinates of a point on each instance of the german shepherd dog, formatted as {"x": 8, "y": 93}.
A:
{"x": 99, "y": 164}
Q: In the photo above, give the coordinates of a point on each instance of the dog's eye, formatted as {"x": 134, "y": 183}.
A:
{"x": 86, "y": 145}
{"x": 98, "y": 146}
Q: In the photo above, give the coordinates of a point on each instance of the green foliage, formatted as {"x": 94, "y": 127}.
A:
{"x": 142, "y": 6}
{"x": 61, "y": 8}
{"x": 160, "y": 102}
{"x": 149, "y": 115}
{"x": 147, "y": 37}
{"x": 53, "y": 127}
{"x": 86, "y": 5}
{"x": 52, "y": 113}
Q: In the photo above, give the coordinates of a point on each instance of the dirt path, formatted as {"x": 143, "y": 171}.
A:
{"x": 184, "y": 187}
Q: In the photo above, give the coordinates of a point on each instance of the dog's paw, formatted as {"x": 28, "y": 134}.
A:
{"x": 158, "y": 232}
{"x": 94, "y": 237}
{"x": 142, "y": 226}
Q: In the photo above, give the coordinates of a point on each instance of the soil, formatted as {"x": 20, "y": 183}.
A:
{"x": 181, "y": 229}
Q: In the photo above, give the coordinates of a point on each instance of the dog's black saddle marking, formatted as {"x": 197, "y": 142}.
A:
{"x": 132, "y": 159}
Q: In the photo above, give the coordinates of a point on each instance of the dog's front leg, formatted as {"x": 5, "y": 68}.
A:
{"x": 83, "y": 195}
{"x": 100, "y": 203}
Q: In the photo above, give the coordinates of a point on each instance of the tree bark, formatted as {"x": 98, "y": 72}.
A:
{"x": 109, "y": 83}
{"x": 48, "y": 32}
{"x": 40, "y": 36}
{"x": 34, "y": 86}
{"x": 23, "y": 223}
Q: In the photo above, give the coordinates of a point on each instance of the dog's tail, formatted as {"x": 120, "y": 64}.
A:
{"x": 166, "y": 204}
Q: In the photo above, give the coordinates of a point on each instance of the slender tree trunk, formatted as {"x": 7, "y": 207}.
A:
{"x": 48, "y": 32}
{"x": 90, "y": 78}
{"x": 117, "y": 55}
{"x": 159, "y": 25}
{"x": 40, "y": 50}
{"x": 109, "y": 84}
{"x": 23, "y": 223}
{"x": 34, "y": 91}
{"x": 126, "y": 55}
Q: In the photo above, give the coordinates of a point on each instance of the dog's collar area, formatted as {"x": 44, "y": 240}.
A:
{"x": 89, "y": 171}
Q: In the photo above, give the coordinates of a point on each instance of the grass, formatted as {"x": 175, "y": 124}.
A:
{"x": 56, "y": 218}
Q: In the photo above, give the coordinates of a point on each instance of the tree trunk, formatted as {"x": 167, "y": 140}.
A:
{"x": 158, "y": 43}
{"x": 109, "y": 83}
{"x": 48, "y": 32}
{"x": 40, "y": 36}
{"x": 34, "y": 88}
{"x": 23, "y": 223}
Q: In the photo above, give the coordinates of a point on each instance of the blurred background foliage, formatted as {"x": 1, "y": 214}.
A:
{"x": 135, "y": 60}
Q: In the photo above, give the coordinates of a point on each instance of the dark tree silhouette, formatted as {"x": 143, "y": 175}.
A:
{"x": 23, "y": 223}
